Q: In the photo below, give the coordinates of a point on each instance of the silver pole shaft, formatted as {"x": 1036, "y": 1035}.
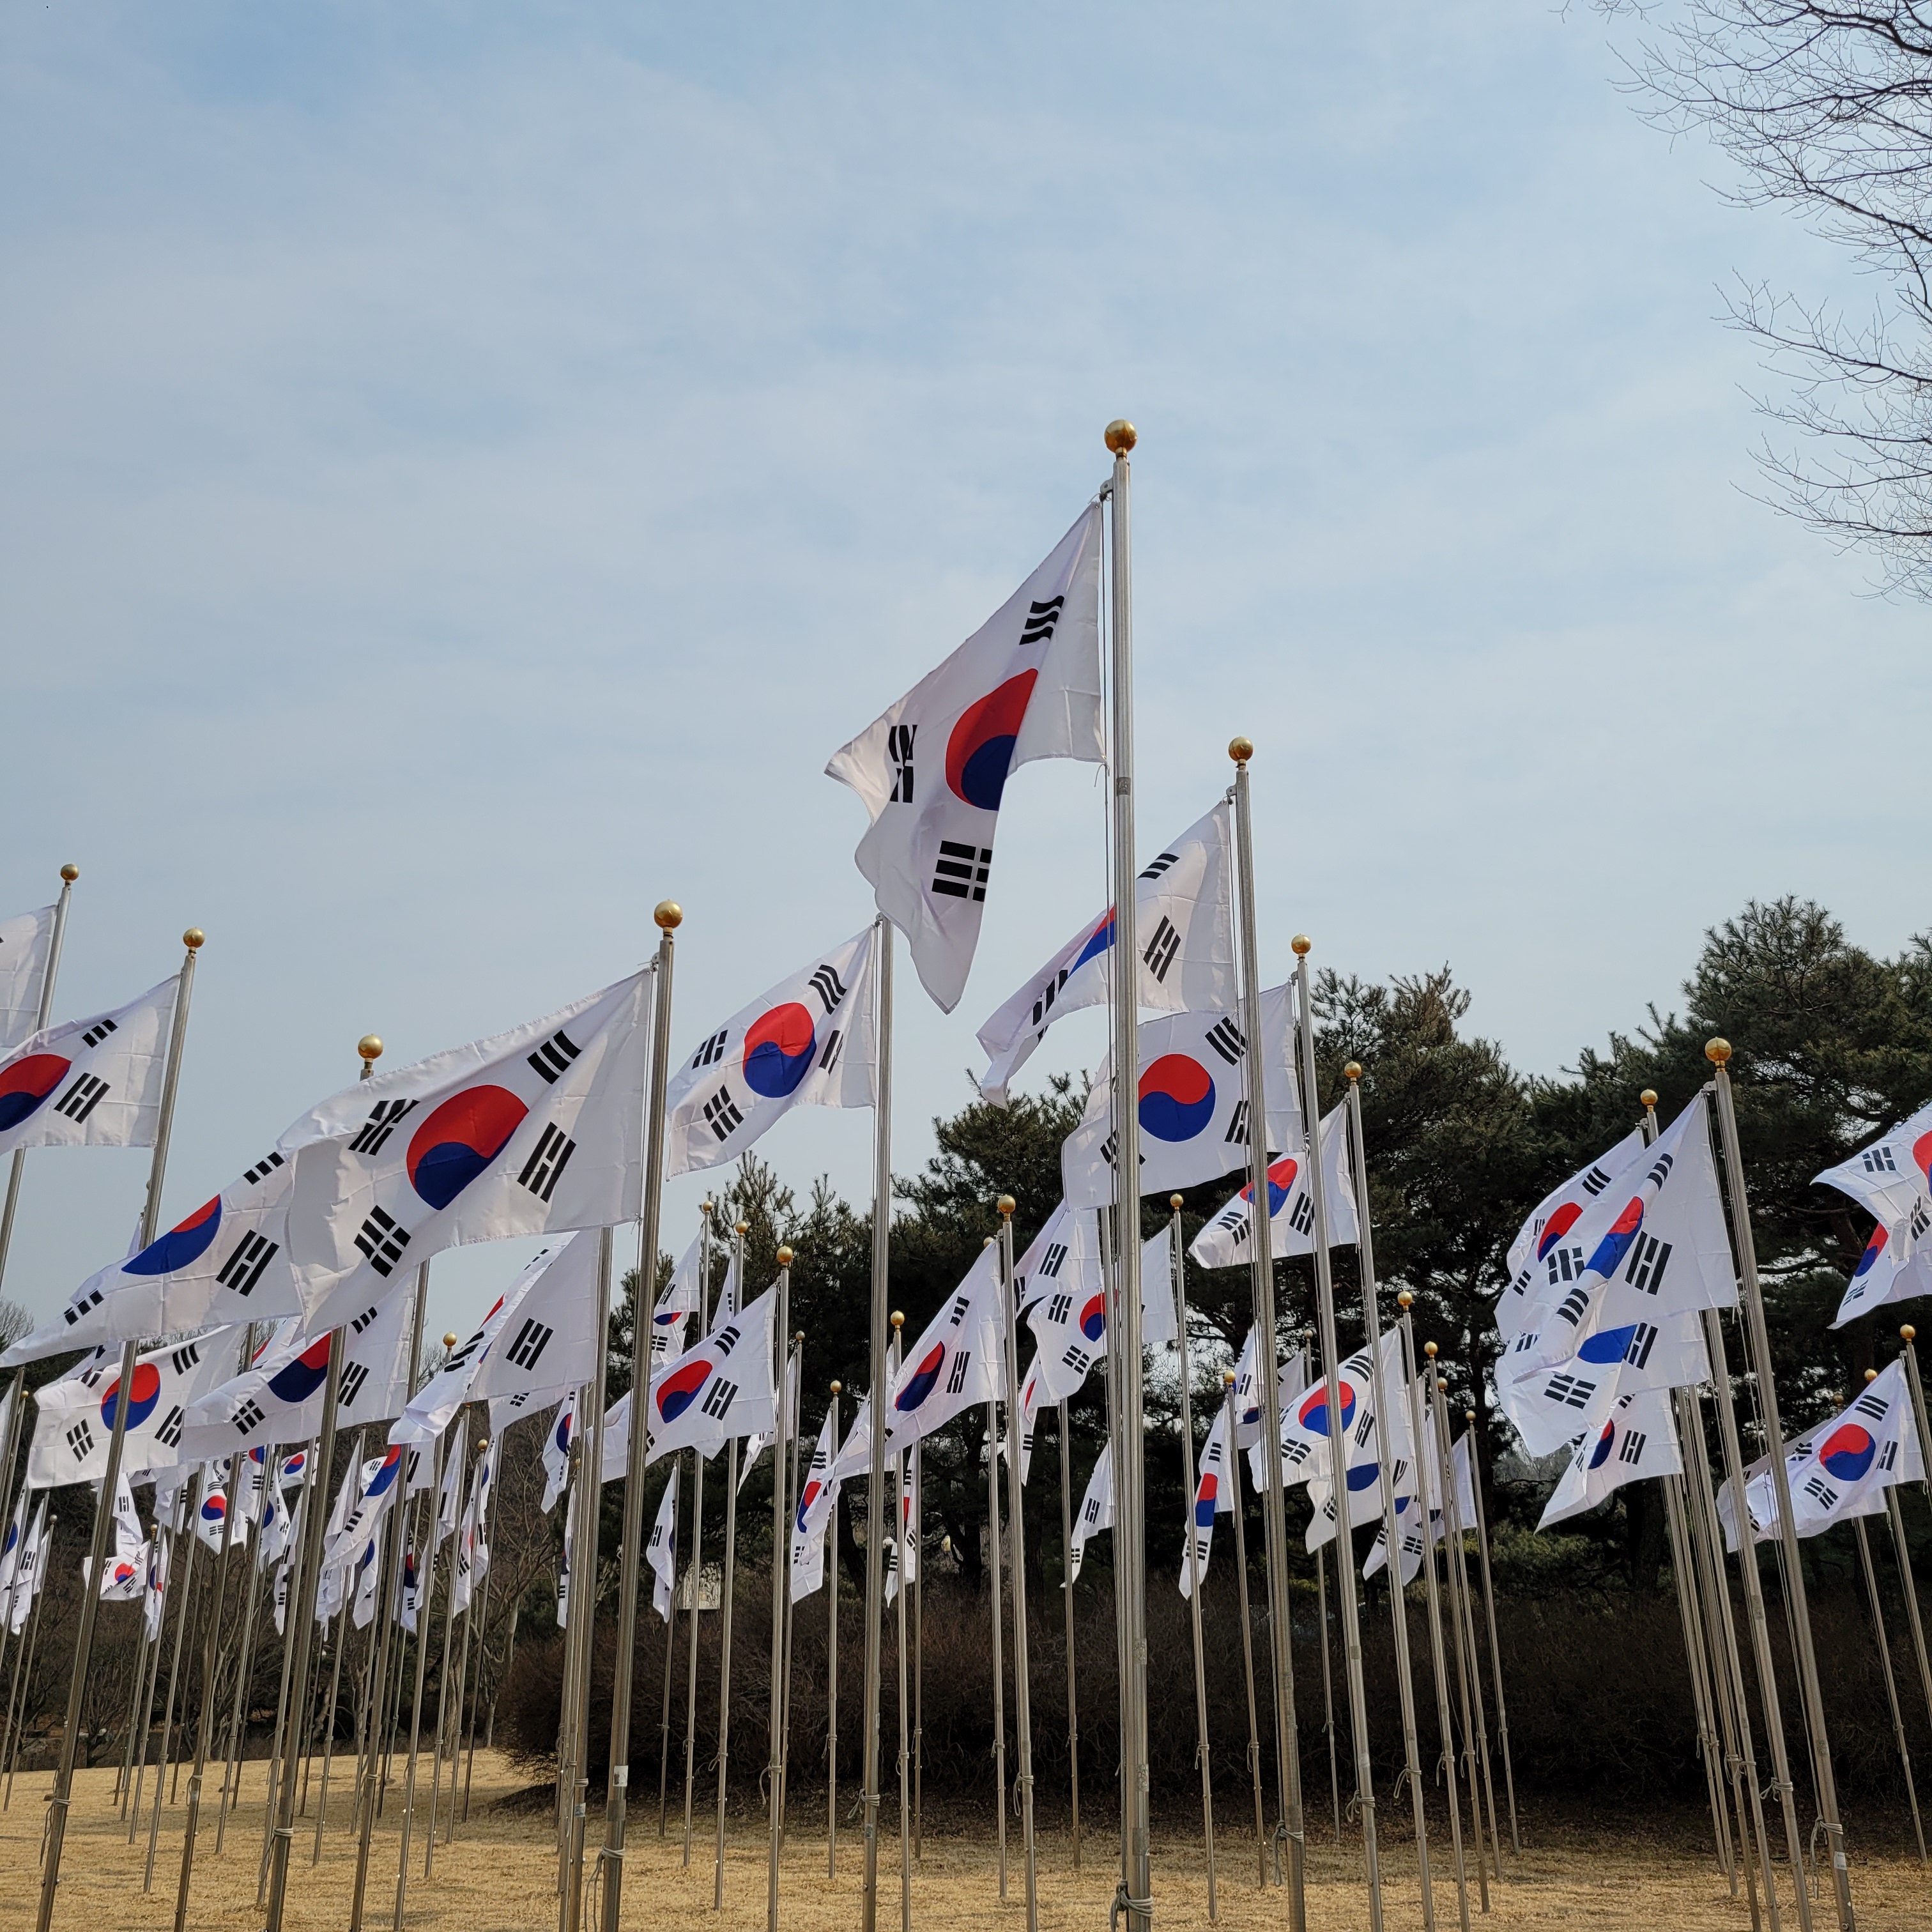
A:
{"x": 182, "y": 1620}
{"x": 917, "y": 1532}
{"x": 425, "y": 1596}
{"x": 781, "y": 1581}
{"x": 1811, "y": 1697}
{"x": 1466, "y": 1596}
{"x": 1910, "y": 1592}
{"x": 993, "y": 1561}
{"x": 42, "y": 1015}
{"x": 1890, "y": 1684}
{"x": 617, "y": 1784}
{"x": 1016, "y": 1546}
{"x": 782, "y": 1556}
{"x": 832, "y": 1665}
{"x": 62, "y": 1795}
{"x": 899, "y": 1659}
{"x": 1457, "y": 1627}
{"x": 1917, "y": 1391}
{"x": 670, "y": 1663}
{"x": 1391, "y": 1528}
{"x": 1202, "y": 1751}
{"x": 693, "y": 1570}
{"x": 1263, "y": 1845}
{"x": 1338, "y": 1441}
{"x": 1129, "y": 1446}
{"x": 1482, "y": 1529}
{"x": 205, "y": 1725}
{"x": 1066, "y": 1592}
{"x": 1328, "y": 1689}
{"x": 724, "y": 1667}
{"x": 1694, "y": 1656}
{"x": 882, "y": 1217}
{"x": 238, "y": 1718}
{"x": 33, "y": 1642}
{"x": 569, "y": 1691}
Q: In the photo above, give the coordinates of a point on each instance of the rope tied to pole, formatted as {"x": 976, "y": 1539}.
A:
{"x": 1124, "y": 1901}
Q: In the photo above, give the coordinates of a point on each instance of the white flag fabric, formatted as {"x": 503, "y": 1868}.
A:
{"x": 154, "y": 1600}
{"x": 855, "y": 1454}
{"x": 1215, "y": 1489}
{"x": 212, "y": 1513}
{"x": 756, "y": 1445}
{"x": 1222, "y": 1241}
{"x": 675, "y": 1317}
{"x": 532, "y": 1132}
{"x": 1307, "y": 1429}
{"x": 617, "y": 1442}
{"x": 563, "y": 1586}
{"x": 26, "y": 944}
{"x": 1547, "y": 1409}
{"x": 1097, "y": 1508}
{"x": 1380, "y": 1451}
{"x": 124, "y": 1572}
{"x": 1030, "y": 1389}
{"x": 1290, "y": 1385}
{"x": 1636, "y": 1439}
{"x": 902, "y": 1552}
{"x": 1408, "y": 1508}
{"x": 1536, "y": 1259}
{"x": 76, "y": 1418}
{"x": 368, "y": 1568}
{"x": 382, "y": 1479}
{"x": 956, "y": 1363}
{"x": 1160, "y": 1315}
{"x": 1889, "y": 1180}
{"x": 1184, "y": 924}
{"x": 818, "y": 1497}
{"x": 660, "y": 1552}
{"x": 556, "y": 1450}
{"x": 449, "y": 1500}
{"x": 723, "y": 1387}
{"x": 95, "y": 1082}
{"x": 279, "y": 1397}
{"x": 407, "y": 1596}
{"x": 33, "y": 1570}
{"x": 810, "y": 1041}
{"x": 933, "y": 769}
{"x": 1192, "y": 1104}
{"x": 17, "y": 1538}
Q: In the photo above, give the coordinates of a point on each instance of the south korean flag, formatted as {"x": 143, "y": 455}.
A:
{"x": 724, "y": 1388}
{"x": 1309, "y": 1427}
{"x": 1096, "y": 1510}
{"x": 816, "y": 1499}
{"x": 556, "y": 1450}
{"x": 1637, "y": 1438}
{"x": 1546, "y": 1409}
{"x": 957, "y": 1363}
{"x": 660, "y": 1552}
{"x": 675, "y": 1317}
{"x": 1184, "y": 931}
{"x": 933, "y": 769}
{"x": 1215, "y": 1494}
{"x": 124, "y": 1575}
{"x": 532, "y": 1132}
{"x": 1889, "y": 1180}
{"x": 26, "y": 945}
{"x": 1192, "y": 1104}
{"x": 77, "y": 1413}
{"x": 1542, "y": 1250}
{"x": 90, "y": 1083}
{"x": 810, "y": 1041}
{"x": 1843, "y": 1468}
{"x": 1223, "y": 1241}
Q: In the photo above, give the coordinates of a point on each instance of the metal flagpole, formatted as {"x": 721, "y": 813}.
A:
{"x": 1016, "y": 1535}
{"x": 882, "y": 1217}
{"x": 1328, "y": 1689}
{"x": 42, "y": 1013}
{"x": 1178, "y": 1285}
{"x": 1481, "y": 1528}
{"x": 1136, "y": 1896}
{"x": 917, "y": 1532}
{"x": 476, "y": 1684}
{"x": 1262, "y": 1843}
{"x": 670, "y": 1661}
{"x": 1465, "y": 1596}
{"x": 497, "y": 1681}
{"x": 33, "y": 1640}
{"x": 1918, "y": 1389}
{"x": 20, "y": 1559}
{"x": 569, "y": 1714}
{"x": 781, "y": 1580}
{"x": 1418, "y": 1428}
{"x": 425, "y": 1596}
{"x": 459, "y": 1446}
{"x": 782, "y": 1556}
{"x": 238, "y": 1719}
{"x": 1066, "y": 1592}
{"x": 1910, "y": 1592}
{"x": 182, "y": 1618}
{"x": 999, "y": 1637}
{"x": 1325, "y": 1303}
{"x": 899, "y": 1655}
{"x": 141, "y": 1717}
{"x": 1718, "y": 1052}
{"x": 1885, "y": 1659}
{"x": 694, "y": 1569}
{"x": 62, "y": 1795}
{"x": 668, "y": 916}
{"x": 724, "y": 1608}
{"x": 1365, "y": 1250}
{"x": 205, "y": 1727}
{"x": 832, "y": 1665}
{"x": 1260, "y": 1258}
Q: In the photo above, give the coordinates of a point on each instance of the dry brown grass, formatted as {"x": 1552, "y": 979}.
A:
{"x": 498, "y": 1877}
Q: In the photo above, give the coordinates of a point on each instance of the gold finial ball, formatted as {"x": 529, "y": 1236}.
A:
{"x": 742, "y": 1227}
{"x": 70, "y": 873}
{"x": 1647, "y": 1098}
{"x": 482, "y": 1444}
{"x": 1405, "y": 1300}
{"x": 1469, "y": 1415}
{"x": 837, "y": 1388}
{"x": 1006, "y": 1204}
{"x": 669, "y": 915}
{"x": 1241, "y": 749}
{"x": 1173, "y": 1202}
{"x": 946, "y": 1543}
{"x": 989, "y": 1241}
{"x": 785, "y": 1258}
{"x": 1442, "y": 1388}
{"x": 449, "y": 1339}
{"x": 1871, "y": 1375}
{"x": 1121, "y": 436}
{"x": 1227, "y": 1379}
{"x": 1717, "y": 1051}
{"x": 1301, "y": 942}
{"x": 1429, "y": 1349}
{"x": 194, "y": 939}
{"x": 798, "y": 1336}
{"x": 899, "y": 1320}
{"x": 1908, "y": 1331}
{"x": 1353, "y": 1071}
{"x": 369, "y": 1046}
{"x": 706, "y": 1207}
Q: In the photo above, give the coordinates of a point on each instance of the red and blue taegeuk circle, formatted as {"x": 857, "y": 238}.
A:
{"x": 25, "y": 1084}
{"x": 1361, "y": 1474}
{"x": 296, "y": 1382}
{"x": 460, "y": 1139}
{"x": 1281, "y": 1178}
{"x": 1600, "y": 1454}
{"x": 1176, "y": 1098}
{"x": 124, "y": 1575}
{"x": 1559, "y": 1224}
{"x": 214, "y": 1506}
{"x": 141, "y": 1405}
{"x": 981, "y": 745}
{"x": 1880, "y": 1235}
{"x": 679, "y": 1389}
{"x": 806, "y": 1501}
{"x": 1847, "y": 1452}
{"x": 1093, "y": 1318}
{"x": 1612, "y": 1248}
{"x": 384, "y": 1479}
{"x": 1921, "y": 1155}
{"x": 186, "y": 1241}
{"x": 1608, "y": 1345}
{"x": 1203, "y": 1500}
{"x": 1313, "y": 1414}
{"x": 922, "y": 1381}
{"x": 293, "y": 1467}
{"x": 1099, "y": 940}
{"x": 778, "y": 1048}
{"x": 560, "y": 1434}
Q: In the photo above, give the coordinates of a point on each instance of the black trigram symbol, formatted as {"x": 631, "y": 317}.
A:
{"x": 1301, "y": 1216}
{"x": 1875, "y": 1406}
{"x": 243, "y": 1268}
{"x": 726, "y": 1340}
{"x": 1821, "y": 1493}
{"x": 517, "y": 1400}
{"x": 835, "y": 1047}
{"x": 712, "y": 1050}
{"x": 899, "y": 748}
{"x": 169, "y": 1433}
{"x": 250, "y": 1415}
{"x": 961, "y": 873}
{"x": 1879, "y": 1160}
{"x": 717, "y": 1400}
{"x": 1922, "y": 1218}
{"x": 1365, "y": 1428}
{"x": 83, "y": 1305}
{"x": 81, "y": 1098}
{"x": 528, "y": 1345}
{"x": 185, "y": 1358}
{"x": 383, "y": 1239}
{"x": 827, "y": 985}
{"x": 1160, "y": 864}
{"x": 1649, "y": 1257}
{"x": 1660, "y": 1169}
{"x": 1237, "y": 1134}
{"x": 962, "y": 1362}
{"x": 379, "y": 1126}
{"x": 1041, "y": 618}
{"x": 1077, "y": 1358}
{"x": 97, "y": 1033}
{"x": 1054, "y": 1260}
{"x": 1058, "y": 1308}
{"x": 262, "y": 1168}
{"x": 357, "y": 1323}
{"x": 1162, "y": 950}
{"x": 548, "y": 1159}
{"x": 1572, "y": 1306}
{"x": 554, "y": 1056}
{"x": 1043, "y": 1005}
{"x": 1888, "y": 1456}
{"x": 1595, "y": 1182}
{"x": 961, "y": 1304}
{"x": 1633, "y": 1448}
{"x": 1573, "y": 1391}
{"x": 1564, "y": 1265}
{"x": 1638, "y": 1354}
{"x": 1224, "y": 1037}
{"x": 1091, "y": 1514}
{"x": 354, "y": 1375}
{"x": 80, "y": 1440}
{"x": 721, "y": 1115}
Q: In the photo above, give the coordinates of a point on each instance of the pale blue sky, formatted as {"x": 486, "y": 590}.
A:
{"x": 463, "y": 472}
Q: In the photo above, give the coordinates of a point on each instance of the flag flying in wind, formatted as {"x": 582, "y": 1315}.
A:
{"x": 660, "y": 1552}
{"x": 532, "y": 1132}
{"x": 556, "y": 1450}
{"x": 1214, "y": 1494}
{"x": 810, "y": 1041}
{"x": 1636, "y": 1439}
{"x": 90, "y": 1083}
{"x": 32, "y": 1572}
{"x": 77, "y": 1413}
{"x": 1097, "y": 1509}
{"x": 1537, "y": 1256}
{"x": 817, "y": 1497}
{"x": 1192, "y": 1104}
{"x": 680, "y": 1303}
{"x": 26, "y": 945}
{"x": 723, "y": 1387}
{"x": 957, "y": 1363}
{"x": 1889, "y": 1180}
{"x": 124, "y": 1572}
{"x": 1548, "y": 1409}
{"x": 932, "y": 770}
{"x": 1380, "y": 1451}
{"x": 1408, "y": 1508}
{"x": 1291, "y": 1384}
{"x": 1184, "y": 921}
{"x": 1223, "y": 1241}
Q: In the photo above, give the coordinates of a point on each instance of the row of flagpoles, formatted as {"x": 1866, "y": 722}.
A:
{"x": 282, "y": 1310}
